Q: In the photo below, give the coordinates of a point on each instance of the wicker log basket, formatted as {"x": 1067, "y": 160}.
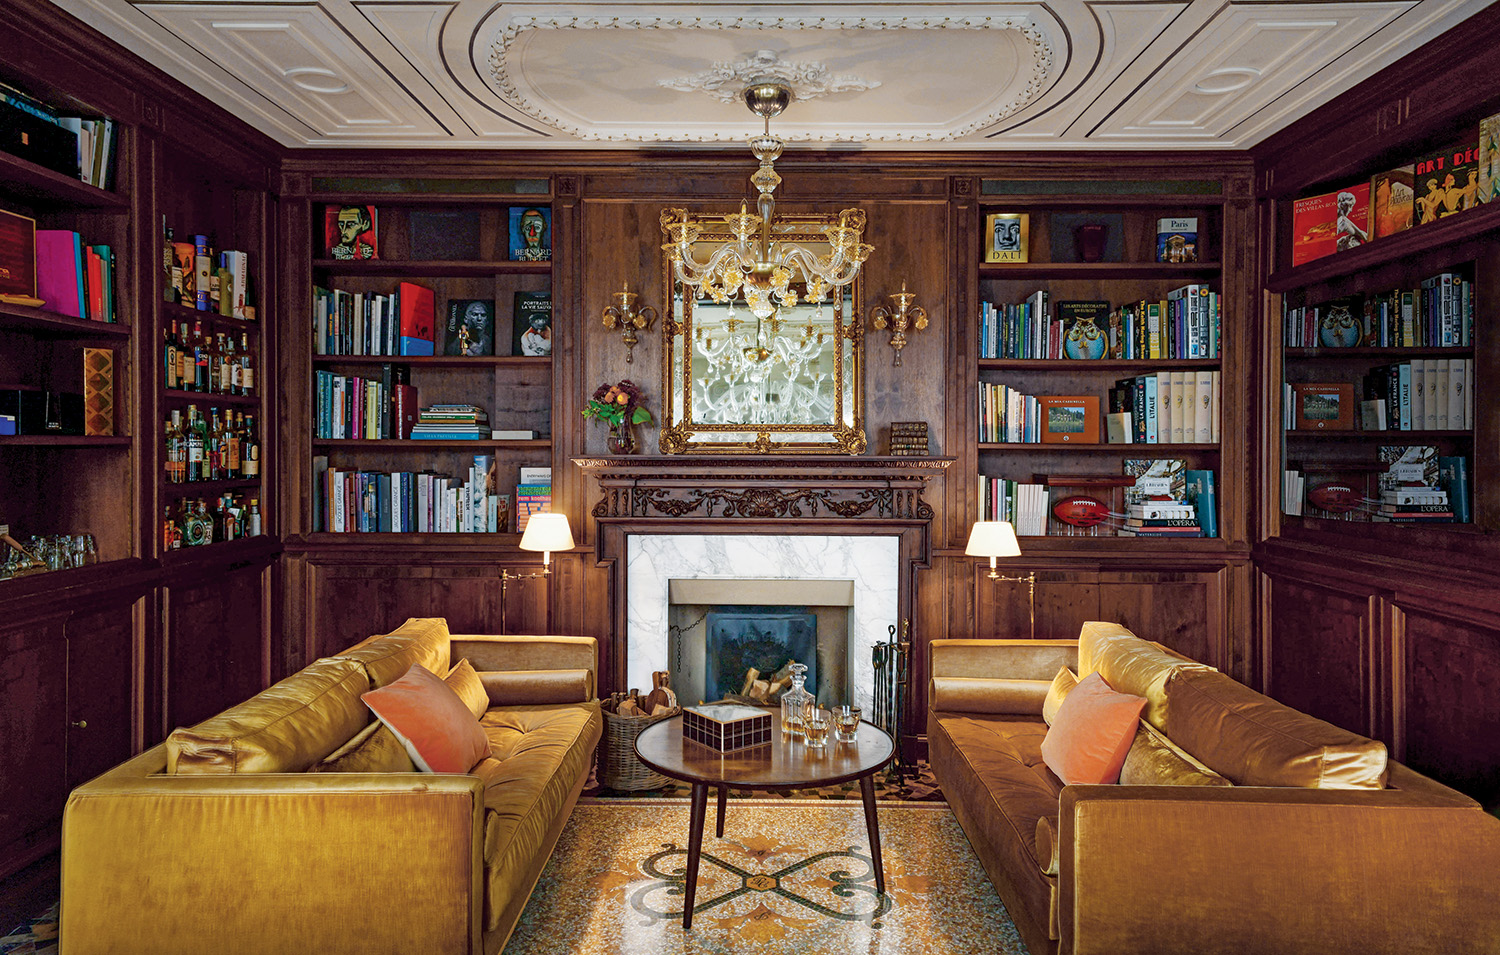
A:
{"x": 625, "y": 716}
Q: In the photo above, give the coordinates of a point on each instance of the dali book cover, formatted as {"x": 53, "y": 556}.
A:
{"x": 530, "y": 234}
{"x": 350, "y": 232}
{"x": 471, "y": 327}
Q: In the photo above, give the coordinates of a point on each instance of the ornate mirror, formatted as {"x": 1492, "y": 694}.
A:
{"x": 743, "y": 375}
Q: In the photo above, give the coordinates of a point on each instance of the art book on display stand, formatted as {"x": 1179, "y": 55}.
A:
{"x": 531, "y": 325}
{"x": 471, "y": 327}
{"x": 530, "y": 234}
{"x": 351, "y": 232}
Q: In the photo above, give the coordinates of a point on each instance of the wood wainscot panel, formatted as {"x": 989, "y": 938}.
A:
{"x": 214, "y": 633}
{"x": 1182, "y": 610}
{"x": 1450, "y": 699}
{"x": 33, "y": 745}
{"x": 1320, "y": 651}
{"x": 1064, "y": 600}
{"x": 101, "y": 676}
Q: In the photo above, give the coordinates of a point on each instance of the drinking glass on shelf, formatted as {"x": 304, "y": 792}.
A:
{"x": 846, "y": 724}
{"x": 90, "y": 550}
{"x": 817, "y": 727}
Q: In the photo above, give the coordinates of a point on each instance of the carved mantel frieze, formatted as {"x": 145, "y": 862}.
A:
{"x": 753, "y": 489}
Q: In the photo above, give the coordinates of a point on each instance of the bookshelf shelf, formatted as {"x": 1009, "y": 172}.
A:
{"x": 1365, "y": 354}
{"x": 438, "y": 361}
{"x": 1186, "y": 271}
{"x": 65, "y": 441}
{"x": 394, "y": 444}
{"x": 1124, "y": 450}
{"x": 1385, "y": 437}
{"x": 1102, "y": 364}
{"x": 208, "y": 398}
{"x": 41, "y": 187}
{"x": 424, "y": 268}
{"x": 209, "y": 488}
{"x": 41, "y": 322}
{"x": 178, "y": 313}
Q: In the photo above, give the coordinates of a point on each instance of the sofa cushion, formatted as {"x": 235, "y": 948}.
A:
{"x": 533, "y": 687}
{"x": 1062, "y": 685}
{"x": 1131, "y": 665}
{"x": 1255, "y": 741}
{"x": 469, "y": 687}
{"x": 439, "y": 732}
{"x": 387, "y": 657}
{"x": 1092, "y": 732}
{"x": 1046, "y": 845}
{"x": 1154, "y": 760}
{"x": 374, "y": 750}
{"x": 537, "y": 755}
{"x": 285, "y": 728}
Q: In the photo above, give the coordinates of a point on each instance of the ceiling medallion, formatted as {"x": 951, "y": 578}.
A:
{"x": 725, "y": 81}
{"x": 1035, "y": 73}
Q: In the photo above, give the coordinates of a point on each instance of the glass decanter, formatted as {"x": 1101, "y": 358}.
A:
{"x": 795, "y": 702}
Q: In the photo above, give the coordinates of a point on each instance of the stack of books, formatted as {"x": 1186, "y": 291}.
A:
{"x": 1414, "y": 505}
{"x": 533, "y": 495}
{"x": 1161, "y": 519}
{"x": 909, "y": 438}
{"x": 451, "y": 422}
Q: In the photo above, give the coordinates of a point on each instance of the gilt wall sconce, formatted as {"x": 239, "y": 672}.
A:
{"x": 629, "y": 318}
{"x": 904, "y": 318}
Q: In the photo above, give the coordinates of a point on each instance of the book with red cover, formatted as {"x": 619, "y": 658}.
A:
{"x": 418, "y": 311}
{"x": 1391, "y": 201}
{"x": 404, "y": 409}
{"x": 59, "y": 271}
{"x": 1314, "y": 227}
{"x": 95, "y": 283}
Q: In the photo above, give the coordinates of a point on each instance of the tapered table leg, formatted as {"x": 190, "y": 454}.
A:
{"x": 872, "y": 825}
{"x": 723, "y": 798}
{"x": 695, "y": 849}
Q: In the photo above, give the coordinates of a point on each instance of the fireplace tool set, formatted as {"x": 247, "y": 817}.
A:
{"x": 892, "y": 661}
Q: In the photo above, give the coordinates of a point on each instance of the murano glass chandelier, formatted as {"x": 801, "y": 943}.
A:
{"x": 758, "y": 263}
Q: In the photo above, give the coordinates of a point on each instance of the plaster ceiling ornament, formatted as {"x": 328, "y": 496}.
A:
{"x": 725, "y": 81}
{"x": 534, "y": 65}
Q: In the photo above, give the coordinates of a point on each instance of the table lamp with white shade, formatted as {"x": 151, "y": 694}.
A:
{"x": 995, "y": 539}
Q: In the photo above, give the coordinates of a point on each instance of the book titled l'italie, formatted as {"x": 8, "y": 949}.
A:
{"x": 1177, "y": 239}
{"x": 1391, "y": 201}
{"x": 1489, "y": 159}
{"x": 417, "y": 304}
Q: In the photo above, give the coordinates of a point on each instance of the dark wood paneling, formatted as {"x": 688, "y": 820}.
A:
{"x": 214, "y": 638}
{"x": 33, "y": 745}
{"x": 1320, "y": 652}
{"x": 101, "y": 681}
{"x": 1452, "y": 701}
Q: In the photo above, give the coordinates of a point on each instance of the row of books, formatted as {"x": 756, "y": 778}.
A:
{"x": 451, "y": 422}
{"x": 1435, "y": 184}
{"x": 1170, "y": 483}
{"x": 1023, "y": 505}
{"x": 367, "y": 323}
{"x": 1168, "y": 407}
{"x": 74, "y": 278}
{"x": 1186, "y": 324}
{"x": 1155, "y": 497}
{"x": 403, "y": 502}
{"x": 208, "y": 279}
{"x": 71, "y": 145}
{"x": 366, "y": 408}
{"x": 1413, "y": 485}
{"x": 1428, "y": 394}
{"x": 1438, "y": 314}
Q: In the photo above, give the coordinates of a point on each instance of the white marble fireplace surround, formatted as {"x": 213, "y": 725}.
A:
{"x": 871, "y": 563}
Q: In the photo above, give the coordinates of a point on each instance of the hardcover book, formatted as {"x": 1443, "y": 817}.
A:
{"x": 416, "y": 319}
{"x": 1351, "y": 224}
{"x": 531, "y": 327}
{"x": 1177, "y": 239}
{"x": 1489, "y": 159}
{"x": 351, "y": 232}
{"x": 1408, "y": 465}
{"x": 1009, "y": 237}
{"x": 1314, "y": 223}
{"x": 1155, "y": 479}
{"x": 1084, "y": 325}
{"x": 471, "y": 327}
{"x": 17, "y": 259}
{"x": 1391, "y": 201}
{"x": 530, "y": 234}
{"x": 1447, "y": 181}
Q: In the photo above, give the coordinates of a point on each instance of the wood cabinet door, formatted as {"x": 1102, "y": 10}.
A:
{"x": 33, "y": 746}
{"x": 100, "y": 676}
{"x": 214, "y": 632}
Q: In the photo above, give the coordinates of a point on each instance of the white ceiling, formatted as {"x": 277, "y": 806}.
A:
{"x": 1075, "y": 73}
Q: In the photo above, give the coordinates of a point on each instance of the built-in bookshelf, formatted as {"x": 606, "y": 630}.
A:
{"x": 452, "y": 240}
{"x": 1093, "y": 268}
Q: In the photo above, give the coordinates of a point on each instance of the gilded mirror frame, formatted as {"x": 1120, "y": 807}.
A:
{"x": 680, "y": 433}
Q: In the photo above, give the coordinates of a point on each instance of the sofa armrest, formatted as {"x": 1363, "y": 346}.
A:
{"x": 510, "y": 654}
{"x": 272, "y": 863}
{"x": 1290, "y": 871}
{"x": 995, "y": 676}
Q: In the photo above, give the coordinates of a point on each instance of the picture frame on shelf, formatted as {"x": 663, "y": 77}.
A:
{"x": 1009, "y": 236}
{"x": 351, "y": 232}
{"x": 18, "y": 259}
{"x": 1069, "y": 419}
{"x": 1324, "y": 406}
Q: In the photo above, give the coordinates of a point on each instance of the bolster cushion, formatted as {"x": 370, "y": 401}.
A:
{"x": 1255, "y": 741}
{"x": 1132, "y": 665}
{"x": 534, "y": 687}
{"x": 955, "y": 694}
{"x": 285, "y": 728}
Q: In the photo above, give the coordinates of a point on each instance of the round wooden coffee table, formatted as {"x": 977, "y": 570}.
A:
{"x": 784, "y": 763}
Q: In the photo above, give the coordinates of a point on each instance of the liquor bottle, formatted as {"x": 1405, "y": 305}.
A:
{"x": 200, "y": 358}
{"x": 247, "y": 370}
{"x": 250, "y": 451}
{"x": 169, "y": 359}
{"x": 171, "y": 532}
{"x": 176, "y": 449}
{"x": 234, "y": 369}
{"x": 168, "y": 287}
{"x": 196, "y": 529}
{"x": 195, "y": 444}
{"x": 227, "y": 364}
{"x": 252, "y": 520}
{"x": 795, "y": 702}
{"x": 233, "y": 442}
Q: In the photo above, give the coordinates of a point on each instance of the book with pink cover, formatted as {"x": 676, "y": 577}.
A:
{"x": 59, "y": 271}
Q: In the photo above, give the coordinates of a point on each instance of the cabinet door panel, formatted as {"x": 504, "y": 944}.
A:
{"x": 100, "y": 646}
{"x": 1452, "y": 697}
{"x": 1319, "y": 652}
{"x": 33, "y": 681}
{"x": 214, "y": 644}
{"x": 1064, "y": 600}
{"x": 1180, "y": 610}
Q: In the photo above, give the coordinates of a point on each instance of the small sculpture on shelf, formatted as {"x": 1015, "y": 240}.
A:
{"x": 622, "y": 407}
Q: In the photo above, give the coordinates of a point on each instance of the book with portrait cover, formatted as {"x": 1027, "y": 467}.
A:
{"x": 1391, "y": 201}
{"x": 531, "y": 325}
{"x": 351, "y": 232}
{"x": 530, "y": 234}
{"x": 471, "y": 327}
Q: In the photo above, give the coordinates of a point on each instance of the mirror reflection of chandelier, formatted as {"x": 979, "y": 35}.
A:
{"x": 764, "y": 371}
{"x": 756, "y": 265}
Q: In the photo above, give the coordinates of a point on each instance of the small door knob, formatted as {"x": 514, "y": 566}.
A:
{"x": 81, "y": 724}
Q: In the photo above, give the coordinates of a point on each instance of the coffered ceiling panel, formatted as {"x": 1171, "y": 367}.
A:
{"x": 1143, "y": 74}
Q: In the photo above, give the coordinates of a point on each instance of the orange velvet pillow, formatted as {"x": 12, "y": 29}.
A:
{"x": 434, "y": 725}
{"x": 1092, "y": 732}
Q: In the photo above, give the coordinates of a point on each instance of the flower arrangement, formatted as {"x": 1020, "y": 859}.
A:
{"x": 618, "y": 405}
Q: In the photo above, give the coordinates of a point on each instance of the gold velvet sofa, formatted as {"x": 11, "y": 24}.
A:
{"x": 1320, "y": 845}
{"x": 294, "y": 823}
